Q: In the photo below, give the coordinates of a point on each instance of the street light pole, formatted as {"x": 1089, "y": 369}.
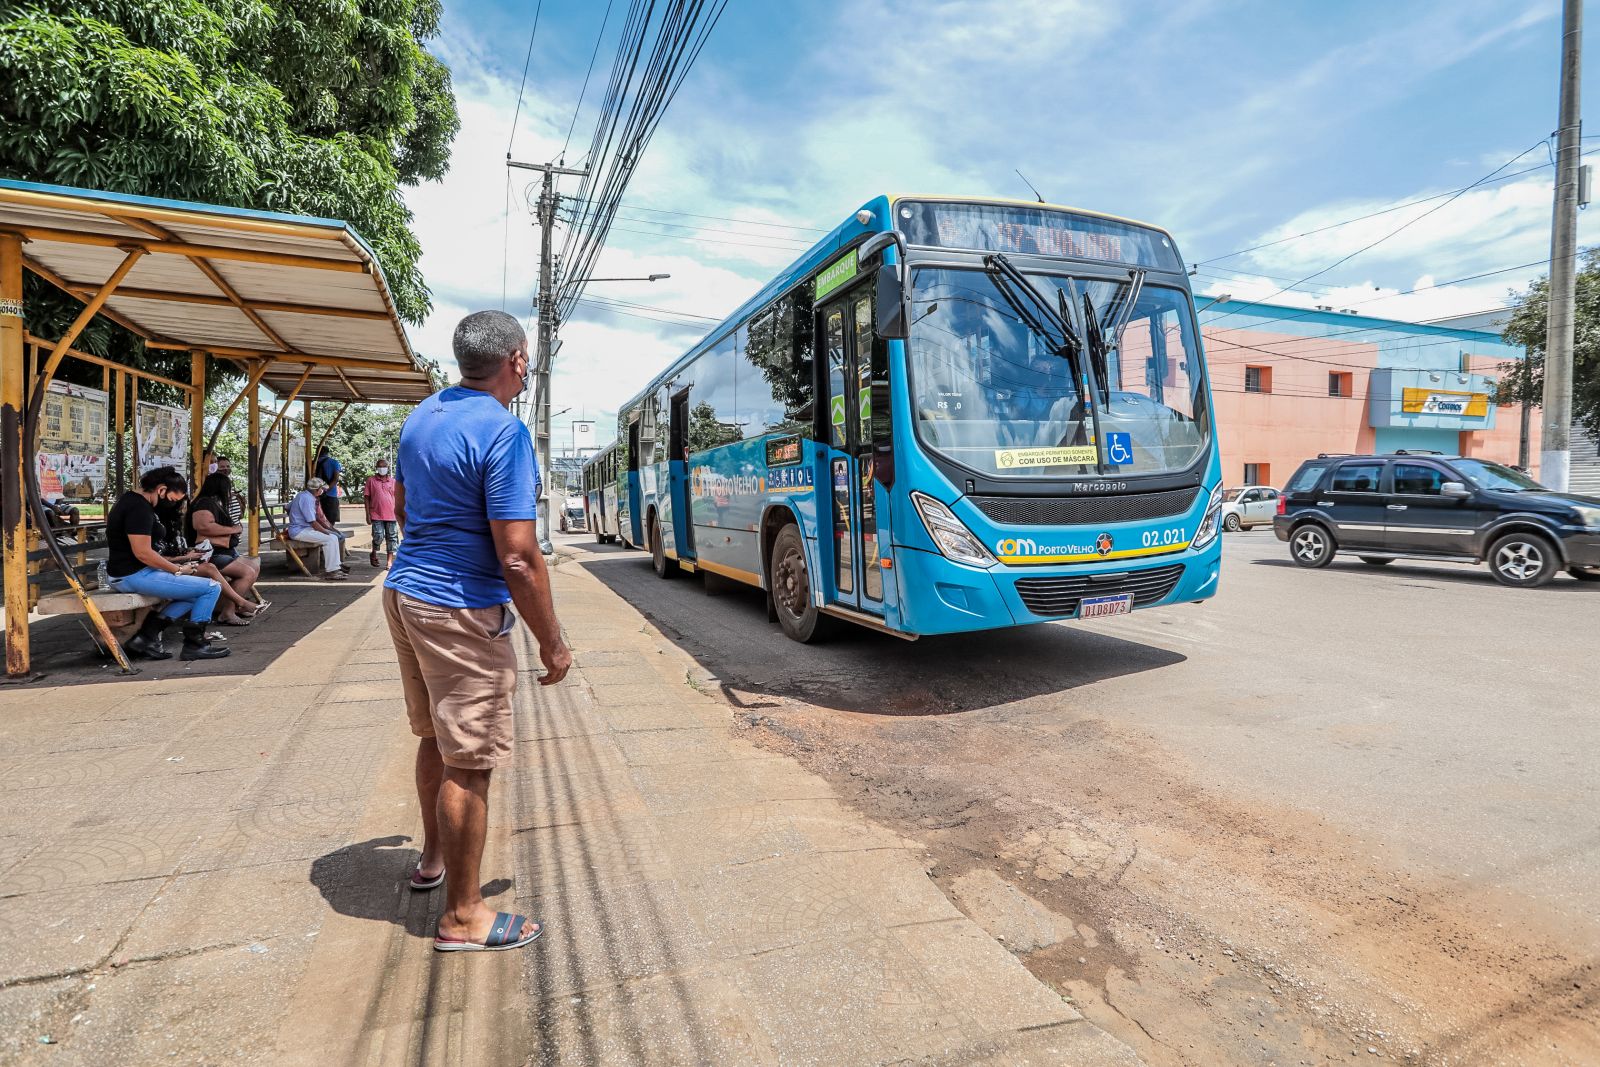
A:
{"x": 1555, "y": 457}
{"x": 546, "y": 334}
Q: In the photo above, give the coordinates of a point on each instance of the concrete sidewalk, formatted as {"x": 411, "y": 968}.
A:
{"x": 211, "y": 870}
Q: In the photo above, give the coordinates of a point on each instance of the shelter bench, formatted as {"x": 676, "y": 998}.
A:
{"x": 124, "y": 612}
{"x": 306, "y": 556}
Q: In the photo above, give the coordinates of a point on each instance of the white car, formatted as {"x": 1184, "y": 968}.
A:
{"x": 1247, "y": 506}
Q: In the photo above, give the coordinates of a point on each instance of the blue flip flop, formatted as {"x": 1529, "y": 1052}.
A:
{"x": 508, "y": 931}
{"x": 422, "y": 885}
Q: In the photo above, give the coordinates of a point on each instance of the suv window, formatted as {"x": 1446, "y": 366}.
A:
{"x": 1249, "y": 495}
{"x": 1416, "y": 480}
{"x": 1356, "y": 478}
{"x": 1307, "y": 477}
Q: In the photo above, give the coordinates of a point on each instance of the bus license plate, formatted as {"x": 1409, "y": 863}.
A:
{"x": 1101, "y": 606}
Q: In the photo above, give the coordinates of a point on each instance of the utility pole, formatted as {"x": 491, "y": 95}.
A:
{"x": 1555, "y": 457}
{"x": 546, "y": 334}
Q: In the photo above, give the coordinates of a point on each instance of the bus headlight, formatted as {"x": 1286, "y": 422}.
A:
{"x": 950, "y": 534}
{"x": 1212, "y": 522}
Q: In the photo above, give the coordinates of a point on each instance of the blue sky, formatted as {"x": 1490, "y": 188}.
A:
{"x": 1228, "y": 123}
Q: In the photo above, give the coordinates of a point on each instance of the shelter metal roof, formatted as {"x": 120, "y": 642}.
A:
{"x": 245, "y": 285}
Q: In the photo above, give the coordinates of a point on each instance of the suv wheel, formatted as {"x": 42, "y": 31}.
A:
{"x": 1232, "y": 524}
{"x": 1523, "y": 559}
{"x": 1585, "y": 574}
{"x": 1311, "y": 546}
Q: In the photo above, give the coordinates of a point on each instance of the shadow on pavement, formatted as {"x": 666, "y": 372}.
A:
{"x": 63, "y": 653}
{"x": 1461, "y": 573}
{"x": 366, "y": 880}
{"x": 724, "y": 626}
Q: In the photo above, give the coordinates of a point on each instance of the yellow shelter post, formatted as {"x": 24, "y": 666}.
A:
{"x": 13, "y": 526}
{"x": 253, "y": 472}
{"x": 197, "y": 419}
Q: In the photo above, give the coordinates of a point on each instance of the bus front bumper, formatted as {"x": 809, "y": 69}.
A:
{"x": 941, "y": 597}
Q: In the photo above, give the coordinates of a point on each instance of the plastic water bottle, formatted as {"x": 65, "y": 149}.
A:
{"x": 101, "y": 576}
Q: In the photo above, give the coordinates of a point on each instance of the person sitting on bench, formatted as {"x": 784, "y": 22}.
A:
{"x": 307, "y": 523}
{"x": 209, "y": 520}
{"x": 233, "y": 609}
{"x": 134, "y": 566}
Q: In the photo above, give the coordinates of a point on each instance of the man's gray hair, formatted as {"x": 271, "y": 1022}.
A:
{"x": 484, "y": 340}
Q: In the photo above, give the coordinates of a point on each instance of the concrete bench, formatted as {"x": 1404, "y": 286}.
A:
{"x": 123, "y": 612}
{"x": 306, "y": 556}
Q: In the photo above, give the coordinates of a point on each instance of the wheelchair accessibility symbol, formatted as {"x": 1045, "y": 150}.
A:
{"x": 1119, "y": 447}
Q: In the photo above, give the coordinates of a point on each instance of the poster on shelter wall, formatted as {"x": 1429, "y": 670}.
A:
{"x": 272, "y": 469}
{"x": 295, "y": 473}
{"x": 162, "y": 436}
{"x": 72, "y": 443}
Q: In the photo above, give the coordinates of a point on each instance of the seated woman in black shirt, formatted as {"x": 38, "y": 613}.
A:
{"x": 233, "y": 609}
{"x": 209, "y": 519}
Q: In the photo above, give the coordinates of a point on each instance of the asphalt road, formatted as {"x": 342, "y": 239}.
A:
{"x": 1324, "y": 813}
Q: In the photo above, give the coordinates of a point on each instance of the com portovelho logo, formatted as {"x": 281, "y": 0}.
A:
{"x": 1015, "y": 548}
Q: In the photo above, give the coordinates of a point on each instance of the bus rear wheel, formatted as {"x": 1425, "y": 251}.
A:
{"x": 664, "y": 567}
{"x": 789, "y": 585}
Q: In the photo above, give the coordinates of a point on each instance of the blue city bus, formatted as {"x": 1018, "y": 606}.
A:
{"x": 951, "y": 414}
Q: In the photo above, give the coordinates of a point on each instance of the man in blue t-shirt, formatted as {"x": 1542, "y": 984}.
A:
{"x": 465, "y": 500}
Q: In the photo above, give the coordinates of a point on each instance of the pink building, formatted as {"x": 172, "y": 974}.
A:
{"x": 1289, "y": 383}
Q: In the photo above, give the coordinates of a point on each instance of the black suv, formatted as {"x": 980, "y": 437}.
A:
{"x": 1427, "y": 506}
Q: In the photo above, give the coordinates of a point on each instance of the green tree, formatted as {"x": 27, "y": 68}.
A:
{"x": 321, "y": 107}
{"x": 1524, "y": 381}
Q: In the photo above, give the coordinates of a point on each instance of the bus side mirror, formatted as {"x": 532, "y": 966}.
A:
{"x": 890, "y": 300}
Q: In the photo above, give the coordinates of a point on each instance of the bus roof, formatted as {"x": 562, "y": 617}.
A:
{"x": 882, "y": 208}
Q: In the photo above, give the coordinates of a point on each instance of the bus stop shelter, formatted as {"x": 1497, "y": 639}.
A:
{"x": 296, "y": 304}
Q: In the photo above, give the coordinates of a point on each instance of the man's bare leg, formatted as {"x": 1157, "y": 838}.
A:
{"x": 463, "y": 824}
{"x": 430, "y": 772}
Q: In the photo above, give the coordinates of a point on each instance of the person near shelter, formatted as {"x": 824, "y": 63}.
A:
{"x": 168, "y": 538}
{"x": 209, "y": 521}
{"x": 308, "y": 523}
{"x": 465, "y": 500}
{"x": 378, "y": 494}
{"x": 133, "y": 565}
{"x": 330, "y": 471}
{"x": 235, "y": 499}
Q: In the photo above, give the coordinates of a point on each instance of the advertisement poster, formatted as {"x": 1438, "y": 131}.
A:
{"x": 72, "y": 443}
{"x": 162, "y": 435}
{"x": 272, "y": 469}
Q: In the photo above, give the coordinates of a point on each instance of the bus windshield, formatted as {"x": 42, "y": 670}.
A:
{"x": 997, "y": 396}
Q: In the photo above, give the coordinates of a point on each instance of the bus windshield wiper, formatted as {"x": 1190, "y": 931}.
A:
{"x": 1101, "y": 340}
{"x": 1053, "y": 326}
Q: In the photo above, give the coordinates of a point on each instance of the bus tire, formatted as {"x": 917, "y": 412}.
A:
{"x": 789, "y": 580}
{"x": 664, "y": 567}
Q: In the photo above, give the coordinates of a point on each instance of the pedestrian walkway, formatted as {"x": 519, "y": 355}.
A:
{"x": 210, "y": 869}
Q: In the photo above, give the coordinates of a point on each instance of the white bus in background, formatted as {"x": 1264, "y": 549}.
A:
{"x": 599, "y": 505}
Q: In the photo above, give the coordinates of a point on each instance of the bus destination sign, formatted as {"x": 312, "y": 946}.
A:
{"x": 1029, "y": 231}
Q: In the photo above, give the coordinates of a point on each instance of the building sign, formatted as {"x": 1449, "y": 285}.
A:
{"x": 582, "y": 437}
{"x": 1444, "y": 402}
{"x": 72, "y": 443}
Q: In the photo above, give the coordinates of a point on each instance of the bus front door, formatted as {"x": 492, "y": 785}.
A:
{"x": 678, "y": 464}
{"x": 855, "y": 578}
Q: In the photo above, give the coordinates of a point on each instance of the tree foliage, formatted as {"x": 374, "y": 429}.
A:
{"x": 319, "y": 107}
{"x": 1525, "y": 381}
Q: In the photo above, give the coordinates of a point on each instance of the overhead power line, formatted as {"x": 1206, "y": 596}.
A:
{"x": 526, "y": 62}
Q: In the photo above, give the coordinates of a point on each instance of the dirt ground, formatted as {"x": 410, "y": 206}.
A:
{"x": 1196, "y": 928}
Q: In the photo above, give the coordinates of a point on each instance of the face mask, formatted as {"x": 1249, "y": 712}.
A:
{"x": 212, "y": 469}
{"x": 383, "y": 472}
{"x": 527, "y": 375}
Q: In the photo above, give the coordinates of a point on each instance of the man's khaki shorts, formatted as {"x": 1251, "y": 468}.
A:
{"x": 459, "y": 670}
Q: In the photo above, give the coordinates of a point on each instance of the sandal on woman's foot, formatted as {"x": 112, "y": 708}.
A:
{"x": 232, "y": 622}
{"x": 333, "y": 576}
{"x": 508, "y": 931}
{"x": 422, "y": 884}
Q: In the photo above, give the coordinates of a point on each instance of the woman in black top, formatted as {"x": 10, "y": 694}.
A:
{"x": 133, "y": 565}
{"x": 209, "y": 519}
{"x": 233, "y": 609}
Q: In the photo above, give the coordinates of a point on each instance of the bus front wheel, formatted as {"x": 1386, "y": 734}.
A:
{"x": 789, "y": 585}
{"x": 664, "y": 567}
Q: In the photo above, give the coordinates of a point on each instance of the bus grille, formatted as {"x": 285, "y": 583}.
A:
{"x": 1060, "y": 596}
{"x": 1085, "y": 510}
